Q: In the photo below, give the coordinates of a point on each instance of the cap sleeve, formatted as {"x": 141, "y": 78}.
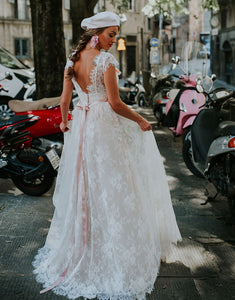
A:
{"x": 109, "y": 60}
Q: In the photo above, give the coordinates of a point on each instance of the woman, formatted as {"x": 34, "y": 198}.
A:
{"x": 113, "y": 219}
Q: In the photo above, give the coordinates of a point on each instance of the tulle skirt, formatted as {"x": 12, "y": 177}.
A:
{"x": 114, "y": 250}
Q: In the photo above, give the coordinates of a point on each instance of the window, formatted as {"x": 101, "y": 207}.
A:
{"x": 67, "y": 4}
{"x": 16, "y": 9}
{"x": 21, "y": 9}
{"x": 223, "y": 18}
{"x": 22, "y": 48}
{"x": 149, "y": 24}
{"x": 132, "y": 5}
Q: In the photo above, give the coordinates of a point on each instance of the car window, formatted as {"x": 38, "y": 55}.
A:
{"x": 9, "y": 61}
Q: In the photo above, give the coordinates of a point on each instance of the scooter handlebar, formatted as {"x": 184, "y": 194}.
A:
{"x": 218, "y": 96}
{"x": 221, "y": 94}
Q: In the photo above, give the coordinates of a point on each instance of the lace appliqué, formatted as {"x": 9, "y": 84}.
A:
{"x": 102, "y": 62}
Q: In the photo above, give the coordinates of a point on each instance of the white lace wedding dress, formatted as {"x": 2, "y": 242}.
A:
{"x": 113, "y": 219}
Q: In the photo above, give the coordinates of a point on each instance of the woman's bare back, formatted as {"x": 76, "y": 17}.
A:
{"x": 83, "y": 68}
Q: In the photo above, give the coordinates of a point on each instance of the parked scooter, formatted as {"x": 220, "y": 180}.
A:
{"x": 209, "y": 146}
{"x": 32, "y": 171}
{"x": 161, "y": 85}
{"x": 13, "y": 83}
{"x": 185, "y": 101}
{"x": 10, "y": 107}
{"x": 133, "y": 92}
{"x": 46, "y": 132}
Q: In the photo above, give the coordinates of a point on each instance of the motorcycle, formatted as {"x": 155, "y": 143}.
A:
{"x": 161, "y": 85}
{"x": 185, "y": 101}
{"x": 19, "y": 83}
{"x": 32, "y": 171}
{"x": 133, "y": 92}
{"x": 46, "y": 132}
{"x": 209, "y": 146}
{"x": 12, "y": 107}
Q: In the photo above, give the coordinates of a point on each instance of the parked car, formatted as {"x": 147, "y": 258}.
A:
{"x": 22, "y": 78}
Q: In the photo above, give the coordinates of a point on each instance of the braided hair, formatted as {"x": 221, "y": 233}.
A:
{"x": 75, "y": 55}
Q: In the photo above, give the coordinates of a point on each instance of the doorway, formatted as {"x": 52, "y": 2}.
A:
{"x": 130, "y": 59}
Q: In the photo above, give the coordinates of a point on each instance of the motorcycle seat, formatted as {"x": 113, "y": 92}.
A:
{"x": 226, "y": 128}
{"x": 42, "y": 104}
{"x": 14, "y": 120}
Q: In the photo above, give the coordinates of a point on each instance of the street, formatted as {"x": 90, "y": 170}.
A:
{"x": 202, "y": 266}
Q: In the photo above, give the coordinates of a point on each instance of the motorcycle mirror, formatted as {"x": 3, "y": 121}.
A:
{"x": 213, "y": 77}
{"x": 176, "y": 60}
{"x": 8, "y": 76}
{"x": 199, "y": 88}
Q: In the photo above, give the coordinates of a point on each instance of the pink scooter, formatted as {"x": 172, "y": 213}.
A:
{"x": 187, "y": 100}
{"x": 184, "y": 105}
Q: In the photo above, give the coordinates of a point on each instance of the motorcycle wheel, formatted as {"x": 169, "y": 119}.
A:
{"x": 158, "y": 115}
{"x": 187, "y": 157}
{"x": 36, "y": 186}
{"x": 142, "y": 100}
{"x": 5, "y": 112}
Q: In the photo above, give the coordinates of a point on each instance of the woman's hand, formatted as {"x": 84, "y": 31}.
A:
{"x": 64, "y": 126}
{"x": 144, "y": 124}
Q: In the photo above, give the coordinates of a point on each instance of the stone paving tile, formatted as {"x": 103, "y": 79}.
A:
{"x": 215, "y": 288}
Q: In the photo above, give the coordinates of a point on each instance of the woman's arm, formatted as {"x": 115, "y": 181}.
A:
{"x": 65, "y": 101}
{"x": 116, "y": 103}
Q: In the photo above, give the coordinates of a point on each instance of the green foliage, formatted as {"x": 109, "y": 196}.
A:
{"x": 165, "y": 7}
{"x": 168, "y": 7}
{"x": 210, "y": 5}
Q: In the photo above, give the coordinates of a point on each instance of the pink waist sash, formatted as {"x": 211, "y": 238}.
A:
{"x": 85, "y": 109}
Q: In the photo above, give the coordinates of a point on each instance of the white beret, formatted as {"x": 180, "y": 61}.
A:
{"x": 100, "y": 20}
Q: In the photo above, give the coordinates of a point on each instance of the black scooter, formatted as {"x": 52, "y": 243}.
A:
{"x": 31, "y": 170}
{"x": 209, "y": 146}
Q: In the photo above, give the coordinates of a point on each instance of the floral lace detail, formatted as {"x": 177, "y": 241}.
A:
{"x": 102, "y": 62}
{"x": 130, "y": 219}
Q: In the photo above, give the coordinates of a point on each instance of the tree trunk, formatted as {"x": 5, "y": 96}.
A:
{"x": 79, "y": 10}
{"x": 49, "y": 46}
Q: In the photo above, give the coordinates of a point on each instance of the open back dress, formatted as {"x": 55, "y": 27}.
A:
{"x": 113, "y": 220}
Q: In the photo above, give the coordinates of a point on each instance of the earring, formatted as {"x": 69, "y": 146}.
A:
{"x": 94, "y": 41}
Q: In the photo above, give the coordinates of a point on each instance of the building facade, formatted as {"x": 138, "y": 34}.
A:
{"x": 16, "y": 30}
{"x": 223, "y": 42}
{"x": 136, "y": 30}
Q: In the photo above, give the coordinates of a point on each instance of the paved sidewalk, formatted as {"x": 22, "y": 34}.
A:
{"x": 201, "y": 267}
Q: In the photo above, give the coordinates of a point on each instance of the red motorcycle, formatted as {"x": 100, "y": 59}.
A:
{"x": 32, "y": 171}
{"x": 46, "y": 132}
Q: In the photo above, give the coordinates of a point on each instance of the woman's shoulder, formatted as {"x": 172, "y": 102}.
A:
{"x": 108, "y": 59}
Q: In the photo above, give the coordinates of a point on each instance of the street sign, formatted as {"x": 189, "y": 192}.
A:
{"x": 154, "y": 42}
{"x": 154, "y": 56}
